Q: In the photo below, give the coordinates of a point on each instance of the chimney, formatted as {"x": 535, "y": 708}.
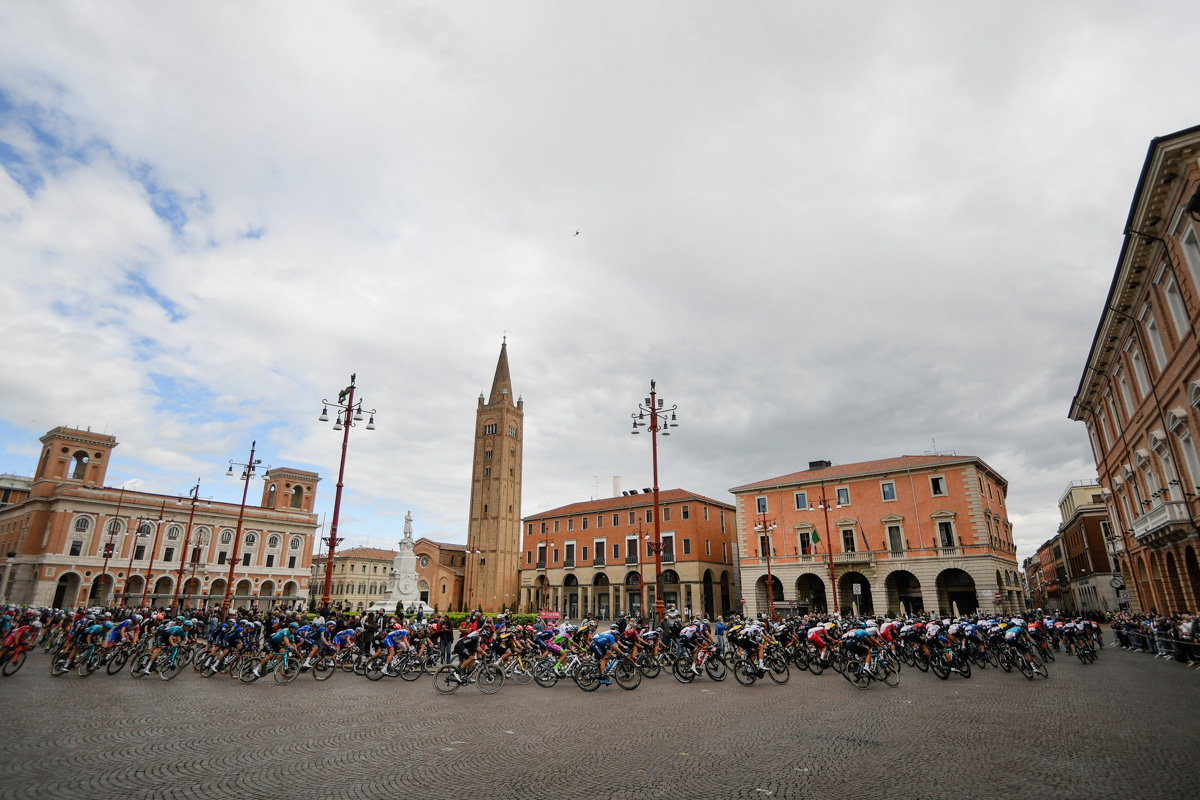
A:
{"x": 616, "y": 485}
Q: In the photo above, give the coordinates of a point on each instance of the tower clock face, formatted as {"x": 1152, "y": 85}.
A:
{"x": 424, "y": 561}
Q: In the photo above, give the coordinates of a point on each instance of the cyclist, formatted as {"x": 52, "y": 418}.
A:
{"x": 123, "y": 631}
{"x": 817, "y": 638}
{"x": 19, "y": 637}
{"x": 465, "y": 648}
{"x": 344, "y": 639}
{"x": 602, "y": 645}
{"x": 282, "y": 639}
{"x": 166, "y": 636}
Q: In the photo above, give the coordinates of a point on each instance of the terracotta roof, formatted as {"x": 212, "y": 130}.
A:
{"x": 631, "y": 501}
{"x": 839, "y": 471}
{"x": 443, "y": 545}
{"x": 361, "y": 552}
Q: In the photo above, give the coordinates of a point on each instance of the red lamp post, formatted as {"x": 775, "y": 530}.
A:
{"x": 113, "y": 526}
{"x": 158, "y": 525}
{"x": 248, "y": 470}
{"x": 658, "y": 422}
{"x": 353, "y": 413}
{"x": 201, "y": 540}
{"x": 829, "y": 550}
{"x": 187, "y": 541}
{"x": 133, "y": 543}
{"x": 764, "y": 530}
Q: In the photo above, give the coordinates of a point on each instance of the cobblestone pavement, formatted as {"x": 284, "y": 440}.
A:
{"x": 1123, "y": 727}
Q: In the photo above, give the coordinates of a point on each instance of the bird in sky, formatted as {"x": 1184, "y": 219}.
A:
{"x": 576, "y": 233}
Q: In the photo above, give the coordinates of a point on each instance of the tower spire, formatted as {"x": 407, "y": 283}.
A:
{"x": 502, "y": 382}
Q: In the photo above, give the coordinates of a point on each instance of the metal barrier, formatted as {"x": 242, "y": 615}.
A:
{"x": 1160, "y": 646}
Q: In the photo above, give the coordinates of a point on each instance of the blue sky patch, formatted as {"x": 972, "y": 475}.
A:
{"x": 137, "y": 286}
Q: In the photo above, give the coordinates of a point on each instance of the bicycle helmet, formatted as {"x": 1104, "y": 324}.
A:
{"x": 357, "y": 631}
{"x": 37, "y": 623}
{"x": 396, "y": 626}
{"x": 614, "y": 627}
{"x": 137, "y": 617}
{"x": 108, "y": 624}
{"x": 187, "y": 623}
{"x": 293, "y": 625}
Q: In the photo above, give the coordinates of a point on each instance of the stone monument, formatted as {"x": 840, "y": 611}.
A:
{"x": 402, "y": 583}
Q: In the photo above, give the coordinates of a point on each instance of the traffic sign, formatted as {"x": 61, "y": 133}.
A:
{"x": 858, "y": 588}
{"x": 997, "y": 597}
{"x": 1124, "y": 596}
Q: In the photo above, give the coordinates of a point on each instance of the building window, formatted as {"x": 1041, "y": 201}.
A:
{"x": 683, "y": 512}
{"x": 245, "y": 559}
{"x": 291, "y": 562}
{"x": 848, "y": 540}
{"x": 556, "y": 526}
{"x": 273, "y": 541}
{"x": 1156, "y": 343}
{"x": 706, "y": 513}
{"x": 632, "y": 517}
{"x": 895, "y": 538}
{"x": 666, "y": 513}
{"x": 556, "y": 555}
{"x": 251, "y": 539}
{"x": 270, "y": 559}
{"x": 226, "y": 537}
{"x": 531, "y": 529}
{"x": 487, "y": 472}
{"x": 687, "y": 547}
{"x": 585, "y": 519}
{"x": 570, "y": 523}
{"x": 76, "y": 547}
{"x": 1179, "y": 314}
{"x": 937, "y": 485}
{"x": 1139, "y": 371}
{"x": 599, "y": 521}
{"x": 528, "y": 556}
{"x": 221, "y": 556}
{"x": 760, "y": 505}
{"x": 83, "y": 525}
{"x": 169, "y": 555}
{"x": 616, "y": 552}
{"x": 489, "y": 429}
{"x": 543, "y": 529}
{"x": 487, "y": 453}
{"x": 946, "y": 533}
{"x": 649, "y": 552}
{"x": 724, "y": 552}
{"x": 889, "y": 491}
{"x": 708, "y": 547}
{"x": 843, "y": 496}
{"x": 616, "y": 520}
{"x": 512, "y": 431}
{"x": 802, "y": 501}
{"x": 296, "y": 542}
{"x": 1126, "y": 396}
{"x": 1191, "y": 253}
{"x": 649, "y": 515}
{"x": 583, "y": 553}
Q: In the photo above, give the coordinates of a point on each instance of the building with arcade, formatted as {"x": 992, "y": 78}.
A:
{"x": 903, "y": 534}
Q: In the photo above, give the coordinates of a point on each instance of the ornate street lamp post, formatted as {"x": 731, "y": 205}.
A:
{"x": 113, "y": 526}
{"x": 194, "y": 492}
{"x": 764, "y": 529}
{"x": 158, "y": 526}
{"x": 658, "y": 422}
{"x": 248, "y": 470}
{"x": 353, "y": 413}
{"x": 824, "y": 506}
{"x": 201, "y": 540}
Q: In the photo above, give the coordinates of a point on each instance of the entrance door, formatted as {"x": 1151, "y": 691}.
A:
{"x": 573, "y": 606}
{"x": 602, "y": 606}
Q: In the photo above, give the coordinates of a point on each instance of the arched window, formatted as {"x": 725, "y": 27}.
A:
{"x": 362, "y": 588}
{"x": 174, "y": 531}
{"x": 296, "y": 542}
{"x": 145, "y": 529}
{"x": 251, "y": 539}
{"x": 271, "y": 496}
{"x": 83, "y": 525}
{"x": 297, "y": 496}
{"x": 226, "y": 536}
{"x": 273, "y": 541}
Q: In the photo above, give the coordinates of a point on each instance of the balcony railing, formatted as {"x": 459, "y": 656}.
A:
{"x": 598, "y": 561}
{"x": 631, "y": 558}
{"x": 568, "y": 563}
{"x": 851, "y": 558}
{"x": 669, "y": 558}
{"x": 948, "y": 551}
{"x": 541, "y": 564}
{"x": 1174, "y": 512}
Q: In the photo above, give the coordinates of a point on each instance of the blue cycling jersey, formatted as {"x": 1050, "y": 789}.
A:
{"x": 395, "y": 637}
{"x": 605, "y": 639}
{"x": 344, "y": 638}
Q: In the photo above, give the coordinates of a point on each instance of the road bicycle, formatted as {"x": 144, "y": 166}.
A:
{"x": 404, "y": 663}
{"x": 519, "y": 668}
{"x": 746, "y": 672}
{"x": 14, "y": 658}
{"x": 947, "y": 659}
{"x": 486, "y": 676}
{"x": 706, "y": 661}
{"x": 623, "y": 669}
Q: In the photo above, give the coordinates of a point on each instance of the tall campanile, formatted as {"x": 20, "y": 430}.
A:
{"x": 495, "y": 525}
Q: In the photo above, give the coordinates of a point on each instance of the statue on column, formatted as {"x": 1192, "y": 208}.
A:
{"x": 402, "y": 582}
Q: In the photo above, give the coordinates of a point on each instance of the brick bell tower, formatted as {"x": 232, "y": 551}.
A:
{"x": 494, "y": 529}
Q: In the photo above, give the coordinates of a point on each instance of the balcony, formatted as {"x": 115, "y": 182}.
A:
{"x": 813, "y": 559}
{"x": 852, "y": 558}
{"x": 947, "y": 552}
{"x": 568, "y": 563}
{"x": 598, "y": 561}
{"x": 668, "y": 557}
{"x": 1163, "y": 522}
{"x": 631, "y": 558}
{"x": 541, "y": 564}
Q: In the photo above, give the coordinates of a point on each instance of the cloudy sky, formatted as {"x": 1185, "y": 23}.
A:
{"x": 827, "y": 231}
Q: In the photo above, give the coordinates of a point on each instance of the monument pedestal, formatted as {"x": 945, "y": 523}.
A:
{"x": 402, "y": 583}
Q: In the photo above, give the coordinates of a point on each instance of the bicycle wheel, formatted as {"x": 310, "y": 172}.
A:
{"x": 838, "y": 662}
{"x": 964, "y": 666}
{"x": 650, "y": 667}
{"x": 777, "y": 669}
{"x": 921, "y": 660}
{"x": 445, "y": 681}
{"x": 891, "y": 676}
{"x": 489, "y": 678}
{"x": 587, "y": 677}
{"x": 522, "y": 672}
{"x": 411, "y": 668}
{"x": 172, "y": 668}
{"x": 543, "y": 672}
{"x": 247, "y": 672}
{"x": 627, "y": 674}
{"x": 118, "y": 661}
{"x": 324, "y": 668}
{"x": 683, "y": 671}
{"x": 13, "y": 664}
{"x": 716, "y": 668}
{"x": 1024, "y": 666}
{"x": 286, "y": 670}
{"x": 744, "y": 672}
{"x": 859, "y": 678}
{"x": 430, "y": 662}
{"x": 139, "y": 666}
{"x": 815, "y": 666}
{"x": 940, "y": 667}
{"x": 374, "y": 668}
{"x": 88, "y": 665}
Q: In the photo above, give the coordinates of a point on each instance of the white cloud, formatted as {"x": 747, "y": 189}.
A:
{"x": 826, "y": 234}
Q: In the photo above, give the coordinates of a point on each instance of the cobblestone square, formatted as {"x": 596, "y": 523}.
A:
{"x": 1123, "y": 727}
